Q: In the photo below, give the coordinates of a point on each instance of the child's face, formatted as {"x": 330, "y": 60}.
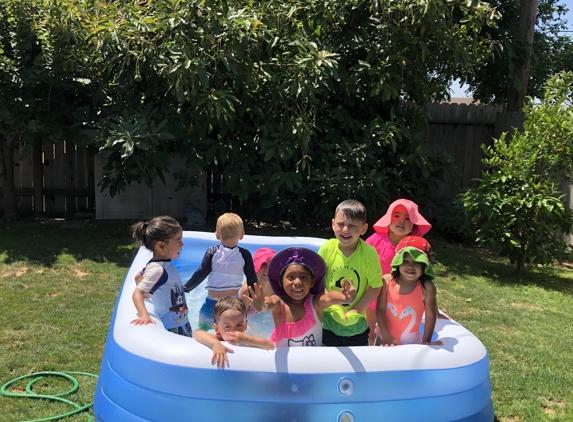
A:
{"x": 297, "y": 281}
{"x": 172, "y": 248}
{"x": 400, "y": 224}
{"x": 346, "y": 230}
{"x": 230, "y": 321}
{"x": 263, "y": 276}
{"x": 410, "y": 270}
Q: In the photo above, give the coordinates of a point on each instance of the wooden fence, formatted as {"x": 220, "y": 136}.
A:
{"x": 60, "y": 177}
{"x": 56, "y": 179}
{"x": 460, "y": 130}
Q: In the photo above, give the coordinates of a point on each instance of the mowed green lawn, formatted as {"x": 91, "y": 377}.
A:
{"x": 59, "y": 282}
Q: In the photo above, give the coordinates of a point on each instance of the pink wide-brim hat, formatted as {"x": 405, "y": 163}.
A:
{"x": 422, "y": 225}
{"x": 297, "y": 255}
{"x": 262, "y": 256}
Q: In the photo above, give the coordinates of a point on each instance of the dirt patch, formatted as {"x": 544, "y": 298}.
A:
{"x": 512, "y": 419}
{"x": 18, "y": 272}
{"x": 552, "y": 406}
{"x": 526, "y": 306}
{"x": 79, "y": 273}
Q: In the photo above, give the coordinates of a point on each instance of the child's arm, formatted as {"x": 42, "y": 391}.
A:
{"x": 138, "y": 278}
{"x": 249, "y": 267}
{"x": 219, "y": 350}
{"x": 144, "y": 317}
{"x": 259, "y": 301}
{"x": 430, "y": 308}
{"x": 367, "y": 299}
{"x": 243, "y": 292}
{"x": 347, "y": 294}
{"x": 244, "y": 339}
{"x": 202, "y": 272}
{"x": 387, "y": 338}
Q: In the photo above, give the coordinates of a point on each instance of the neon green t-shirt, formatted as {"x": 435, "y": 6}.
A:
{"x": 363, "y": 267}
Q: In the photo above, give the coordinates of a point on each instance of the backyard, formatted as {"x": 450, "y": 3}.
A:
{"x": 59, "y": 280}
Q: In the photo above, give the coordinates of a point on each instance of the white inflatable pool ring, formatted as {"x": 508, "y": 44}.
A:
{"x": 149, "y": 374}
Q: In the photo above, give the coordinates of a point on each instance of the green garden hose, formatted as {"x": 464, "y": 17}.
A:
{"x": 37, "y": 376}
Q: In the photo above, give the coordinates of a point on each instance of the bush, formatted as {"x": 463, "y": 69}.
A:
{"x": 452, "y": 222}
{"x": 517, "y": 206}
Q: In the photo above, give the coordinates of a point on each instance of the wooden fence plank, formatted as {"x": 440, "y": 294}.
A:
{"x": 27, "y": 176}
{"x": 91, "y": 182}
{"x": 49, "y": 176}
{"x": 37, "y": 178}
{"x": 70, "y": 178}
{"x": 82, "y": 178}
{"x": 59, "y": 169}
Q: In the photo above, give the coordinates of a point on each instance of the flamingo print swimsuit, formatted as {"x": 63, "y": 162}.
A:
{"x": 404, "y": 313}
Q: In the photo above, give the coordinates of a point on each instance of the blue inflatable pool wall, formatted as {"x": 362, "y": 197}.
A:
{"x": 149, "y": 374}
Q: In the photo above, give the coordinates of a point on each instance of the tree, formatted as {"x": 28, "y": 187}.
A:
{"x": 39, "y": 85}
{"x": 300, "y": 104}
{"x": 494, "y": 79}
{"x": 517, "y": 206}
{"x": 525, "y": 32}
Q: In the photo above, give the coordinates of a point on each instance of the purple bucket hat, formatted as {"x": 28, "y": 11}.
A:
{"x": 297, "y": 255}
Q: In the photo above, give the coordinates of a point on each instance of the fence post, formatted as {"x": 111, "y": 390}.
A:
{"x": 37, "y": 178}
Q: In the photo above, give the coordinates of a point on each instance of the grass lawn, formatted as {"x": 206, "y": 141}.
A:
{"x": 59, "y": 281}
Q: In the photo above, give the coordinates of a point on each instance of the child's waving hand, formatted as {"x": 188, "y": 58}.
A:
{"x": 257, "y": 298}
{"x": 348, "y": 290}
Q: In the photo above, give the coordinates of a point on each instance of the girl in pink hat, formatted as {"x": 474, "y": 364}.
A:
{"x": 402, "y": 219}
{"x": 261, "y": 259}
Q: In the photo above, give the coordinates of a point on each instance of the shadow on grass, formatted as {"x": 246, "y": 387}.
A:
{"x": 472, "y": 261}
{"x": 41, "y": 241}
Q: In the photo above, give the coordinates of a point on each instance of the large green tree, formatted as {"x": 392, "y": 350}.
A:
{"x": 549, "y": 54}
{"x": 298, "y": 103}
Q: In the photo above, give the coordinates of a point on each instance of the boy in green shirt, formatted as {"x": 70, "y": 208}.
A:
{"x": 347, "y": 256}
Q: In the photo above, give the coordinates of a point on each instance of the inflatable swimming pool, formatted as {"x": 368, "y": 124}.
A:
{"x": 149, "y": 374}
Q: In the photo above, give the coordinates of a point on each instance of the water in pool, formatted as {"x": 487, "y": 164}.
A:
{"x": 260, "y": 324}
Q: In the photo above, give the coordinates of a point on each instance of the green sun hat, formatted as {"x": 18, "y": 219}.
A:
{"x": 419, "y": 249}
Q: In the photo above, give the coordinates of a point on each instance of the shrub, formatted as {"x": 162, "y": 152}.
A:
{"x": 517, "y": 206}
{"x": 452, "y": 222}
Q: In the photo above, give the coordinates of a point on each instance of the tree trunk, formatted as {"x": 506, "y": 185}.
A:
{"x": 526, "y": 30}
{"x": 522, "y": 260}
{"x": 7, "y": 146}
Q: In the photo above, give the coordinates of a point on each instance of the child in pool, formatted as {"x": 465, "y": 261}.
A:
{"x": 408, "y": 292}
{"x": 296, "y": 275}
{"x": 230, "y": 324}
{"x": 261, "y": 260}
{"x": 348, "y": 257}
{"x": 225, "y": 265}
{"x": 401, "y": 219}
{"x": 163, "y": 236}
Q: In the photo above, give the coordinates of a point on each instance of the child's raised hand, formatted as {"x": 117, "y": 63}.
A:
{"x": 347, "y": 288}
{"x": 143, "y": 320}
{"x": 257, "y": 297}
{"x": 220, "y": 355}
